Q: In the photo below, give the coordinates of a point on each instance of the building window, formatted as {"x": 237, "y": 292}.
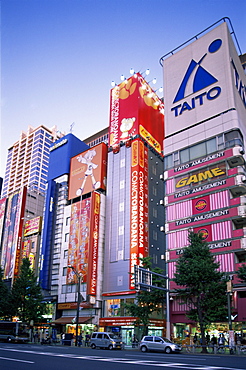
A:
{"x": 122, "y": 162}
{"x": 121, "y": 230}
{"x": 66, "y": 237}
{"x": 121, "y": 207}
{"x": 65, "y": 254}
{"x": 64, "y": 272}
{"x": 67, "y": 221}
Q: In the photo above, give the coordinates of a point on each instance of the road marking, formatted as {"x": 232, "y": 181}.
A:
{"x": 128, "y": 361}
{"x": 14, "y": 359}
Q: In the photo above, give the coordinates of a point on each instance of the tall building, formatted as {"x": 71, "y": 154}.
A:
{"x": 204, "y": 146}
{"x": 28, "y": 159}
{"x": 134, "y": 199}
{"x": 23, "y": 198}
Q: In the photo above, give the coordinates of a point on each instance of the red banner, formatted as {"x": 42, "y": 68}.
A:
{"x": 93, "y": 256}
{"x": 138, "y": 206}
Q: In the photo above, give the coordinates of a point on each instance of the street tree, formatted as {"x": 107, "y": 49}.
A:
{"x": 147, "y": 301}
{"x": 241, "y": 273}
{"x": 200, "y": 284}
{"x": 4, "y": 298}
{"x": 26, "y": 295}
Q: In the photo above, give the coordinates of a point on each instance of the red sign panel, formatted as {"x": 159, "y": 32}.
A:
{"x": 93, "y": 255}
{"x": 135, "y": 109}
{"x": 138, "y": 206}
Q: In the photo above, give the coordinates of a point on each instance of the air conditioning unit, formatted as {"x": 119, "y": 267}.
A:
{"x": 243, "y": 243}
{"x": 162, "y": 176}
{"x": 242, "y": 211}
{"x": 162, "y": 228}
{"x": 162, "y": 202}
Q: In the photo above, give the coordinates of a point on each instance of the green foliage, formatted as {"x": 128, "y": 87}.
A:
{"x": 242, "y": 273}
{"x": 203, "y": 286}
{"x": 26, "y": 296}
{"x": 4, "y": 298}
{"x": 147, "y": 302}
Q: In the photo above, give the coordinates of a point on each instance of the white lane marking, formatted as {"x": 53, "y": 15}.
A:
{"x": 125, "y": 360}
{"x": 14, "y": 359}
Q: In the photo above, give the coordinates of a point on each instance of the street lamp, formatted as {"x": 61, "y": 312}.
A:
{"x": 79, "y": 276}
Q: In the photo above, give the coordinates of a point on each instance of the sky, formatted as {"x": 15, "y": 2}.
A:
{"x": 58, "y": 57}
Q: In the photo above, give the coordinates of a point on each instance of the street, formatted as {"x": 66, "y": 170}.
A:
{"x": 32, "y": 356}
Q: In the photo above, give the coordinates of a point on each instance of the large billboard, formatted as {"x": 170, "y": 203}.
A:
{"x": 88, "y": 171}
{"x": 202, "y": 80}
{"x": 138, "y": 206}
{"x": 11, "y": 250}
{"x": 83, "y": 242}
{"x": 135, "y": 109}
{"x": 79, "y": 239}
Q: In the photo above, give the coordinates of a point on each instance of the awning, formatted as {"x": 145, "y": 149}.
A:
{"x": 70, "y": 319}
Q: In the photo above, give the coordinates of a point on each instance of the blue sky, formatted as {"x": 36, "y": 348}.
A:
{"x": 58, "y": 57}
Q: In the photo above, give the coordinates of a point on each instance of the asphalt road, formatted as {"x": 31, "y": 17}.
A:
{"x": 37, "y": 357}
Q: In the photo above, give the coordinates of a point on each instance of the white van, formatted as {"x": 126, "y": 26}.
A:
{"x": 105, "y": 340}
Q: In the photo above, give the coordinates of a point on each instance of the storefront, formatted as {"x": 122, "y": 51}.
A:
{"x": 124, "y": 327}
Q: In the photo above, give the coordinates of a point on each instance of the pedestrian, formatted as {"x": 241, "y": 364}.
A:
{"x": 79, "y": 340}
{"x": 213, "y": 342}
{"x": 221, "y": 341}
{"x": 87, "y": 339}
{"x": 207, "y": 338}
{"x": 195, "y": 339}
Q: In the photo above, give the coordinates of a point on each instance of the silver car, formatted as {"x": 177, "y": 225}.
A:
{"x": 153, "y": 343}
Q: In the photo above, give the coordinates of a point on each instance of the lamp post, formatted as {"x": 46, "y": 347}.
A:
{"x": 78, "y": 302}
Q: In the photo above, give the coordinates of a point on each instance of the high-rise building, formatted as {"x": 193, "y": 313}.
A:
{"x": 28, "y": 159}
{"x": 205, "y": 175}
{"x": 23, "y": 198}
{"x": 134, "y": 199}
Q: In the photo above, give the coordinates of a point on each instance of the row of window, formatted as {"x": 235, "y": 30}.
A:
{"x": 220, "y": 142}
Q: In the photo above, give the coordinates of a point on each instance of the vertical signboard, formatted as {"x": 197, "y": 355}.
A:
{"x": 78, "y": 249}
{"x": 3, "y": 203}
{"x": 138, "y": 206}
{"x": 13, "y": 233}
{"x": 135, "y": 109}
{"x": 93, "y": 250}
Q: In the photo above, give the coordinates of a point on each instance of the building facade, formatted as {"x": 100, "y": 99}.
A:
{"x": 205, "y": 125}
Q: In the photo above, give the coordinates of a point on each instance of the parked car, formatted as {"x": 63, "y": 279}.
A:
{"x": 154, "y": 343}
{"x": 105, "y": 340}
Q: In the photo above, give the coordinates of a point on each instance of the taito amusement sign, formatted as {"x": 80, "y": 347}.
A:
{"x": 135, "y": 109}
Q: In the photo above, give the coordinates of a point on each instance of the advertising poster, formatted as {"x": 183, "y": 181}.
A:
{"x": 78, "y": 250}
{"x": 88, "y": 171}
{"x": 33, "y": 226}
{"x": 13, "y": 234}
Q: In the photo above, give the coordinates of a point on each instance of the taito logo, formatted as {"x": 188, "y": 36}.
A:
{"x": 204, "y": 233}
{"x": 201, "y": 204}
